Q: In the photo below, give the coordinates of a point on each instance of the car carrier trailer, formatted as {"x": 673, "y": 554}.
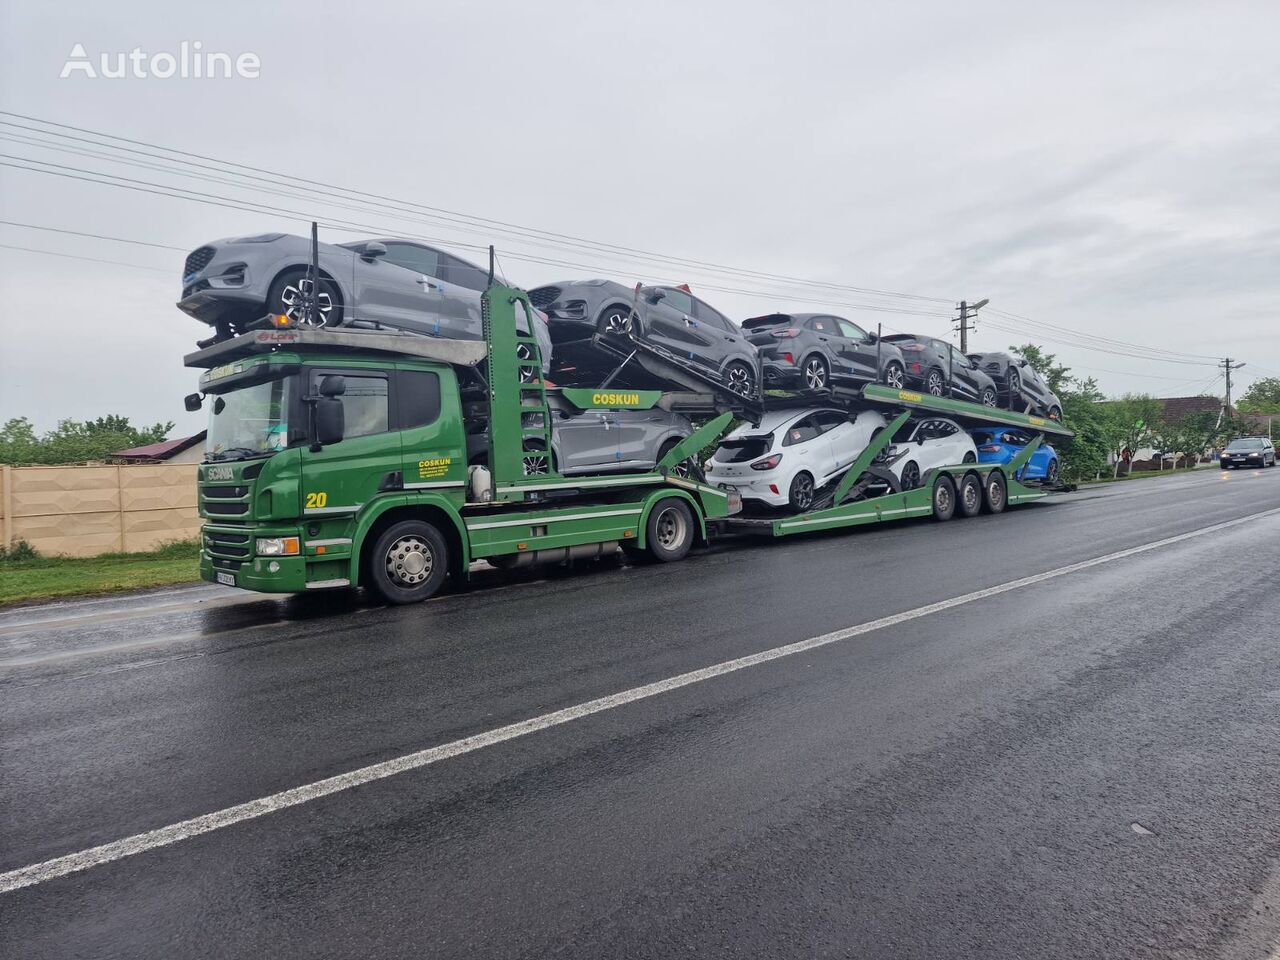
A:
{"x": 395, "y": 505}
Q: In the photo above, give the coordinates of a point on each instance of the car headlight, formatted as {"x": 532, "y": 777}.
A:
{"x": 277, "y": 546}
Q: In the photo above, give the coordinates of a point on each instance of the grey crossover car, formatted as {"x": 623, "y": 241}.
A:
{"x": 589, "y": 441}
{"x": 937, "y": 367}
{"x": 812, "y": 351}
{"x": 397, "y": 283}
{"x": 1019, "y": 383}
{"x": 667, "y": 317}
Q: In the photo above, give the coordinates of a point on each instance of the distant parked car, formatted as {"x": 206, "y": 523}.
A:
{"x": 1019, "y": 384}
{"x": 1002, "y": 444}
{"x": 667, "y": 317}
{"x": 936, "y": 367}
{"x": 791, "y": 454}
{"x": 590, "y": 441}
{"x": 399, "y": 283}
{"x": 811, "y": 351}
{"x": 1248, "y": 452}
{"x": 918, "y": 447}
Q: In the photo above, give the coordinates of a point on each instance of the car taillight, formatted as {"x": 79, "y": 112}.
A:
{"x": 768, "y": 463}
{"x": 789, "y": 358}
{"x": 990, "y": 448}
{"x": 788, "y": 332}
{"x": 915, "y": 367}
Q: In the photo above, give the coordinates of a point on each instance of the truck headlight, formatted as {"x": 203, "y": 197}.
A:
{"x": 277, "y": 546}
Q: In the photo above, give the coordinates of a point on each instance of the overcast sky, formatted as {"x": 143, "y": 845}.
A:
{"x": 1111, "y": 169}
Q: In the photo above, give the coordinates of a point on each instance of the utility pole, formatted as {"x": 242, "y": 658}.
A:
{"x": 1227, "y": 366}
{"x": 968, "y": 312}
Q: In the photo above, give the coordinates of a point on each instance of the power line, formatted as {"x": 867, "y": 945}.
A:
{"x": 95, "y": 236}
{"x": 74, "y": 256}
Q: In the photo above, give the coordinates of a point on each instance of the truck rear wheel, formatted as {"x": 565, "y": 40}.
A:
{"x": 995, "y": 492}
{"x": 409, "y": 562}
{"x": 969, "y": 496}
{"x": 944, "y": 498}
{"x": 669, "y": 533}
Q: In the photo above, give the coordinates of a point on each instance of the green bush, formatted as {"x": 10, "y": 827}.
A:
{"x": 19, "y": 552}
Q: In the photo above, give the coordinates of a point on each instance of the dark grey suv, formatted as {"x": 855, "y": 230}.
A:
{"x": 936, "y": 367}
{"x": 667, "y": 317}
{"x": 1019, "y": 383}
{"x": 811, "y": 351}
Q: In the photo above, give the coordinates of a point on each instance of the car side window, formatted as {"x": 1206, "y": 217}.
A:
{"x": 711, "y": 316}
{"x": 822, "y": 325}
{"x": 806, "y": 428}
{"x": 946, "y": 428}
{"x": 850, "y": 330}
{"x": 415, "y": 258}
{"x": 678, "y": 300}
{"x": 463, "y": 274}
{"x": 829, "y": 420}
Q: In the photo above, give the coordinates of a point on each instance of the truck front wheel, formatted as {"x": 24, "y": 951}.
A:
{"x": 409, "y": 562}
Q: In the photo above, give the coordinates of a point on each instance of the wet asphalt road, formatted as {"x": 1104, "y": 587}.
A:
{"x": 1086, "y": 766}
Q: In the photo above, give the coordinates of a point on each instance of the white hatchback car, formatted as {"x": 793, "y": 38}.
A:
{"x": 791, "y": 454}
{"x": 923, "y": 445}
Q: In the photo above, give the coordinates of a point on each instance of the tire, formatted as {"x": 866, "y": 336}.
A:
{"x": 995, "y": 492}
{"x": 989, "y": 398}
{"x": 1015, "y": 388}
{"x": 935, "y": 383}
{"x": 969, "y": 458}
{"x": 288, "y": 296}
{"x": 894, "y": 375}
{"x": 1055, "y": 413}
{"x": 536, "y": 462}
{"x": 944, "y": 498}
{"x": 1051, "y": 474}
{"x": 740, "y": 378}
{"x": 969, "y": 496}
{"x": 688, "y": 469}
{"x": 910, "y": 478}
{"x": 615, "y": 322}
{"x": 800, "y": 496}
{"x": 669, "y": 532}
{"x": 815, "y": 373}
{"x": 525, "y": 352}
{"x": 409, "y": 562}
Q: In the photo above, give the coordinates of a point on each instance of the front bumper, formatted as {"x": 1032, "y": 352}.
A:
{"x": 228, "y": 556}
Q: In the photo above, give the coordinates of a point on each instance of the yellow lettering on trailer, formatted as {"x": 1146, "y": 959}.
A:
{"x": 614, "y": 399}
{"x": 909, "y": 397}
{"x": 434, "y": 467}
{"x": 1037, "y": 421}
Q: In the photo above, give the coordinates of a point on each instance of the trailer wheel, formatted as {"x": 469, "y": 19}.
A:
{"x": 969, "y": 497}
{"x": 944, "y": 498}
{"x": 995, "y": 492}
{"x": 409, "y": 562}
{"x": 669, "y": 533}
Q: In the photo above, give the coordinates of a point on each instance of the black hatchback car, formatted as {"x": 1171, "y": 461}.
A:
{"x": 671, "y": 318}
{"x": 937, "y": 367}
{"x": 1019, "y": 384}
{"x": 1248, "y": 452}
{"x": 811, "y": 351}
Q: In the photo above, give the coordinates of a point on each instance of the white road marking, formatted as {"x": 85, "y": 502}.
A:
{"x": 177, "y": 832}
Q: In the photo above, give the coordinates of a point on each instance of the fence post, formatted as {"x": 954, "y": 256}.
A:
{"x": 120, "y": 501}
{"x": 6, "y": 506}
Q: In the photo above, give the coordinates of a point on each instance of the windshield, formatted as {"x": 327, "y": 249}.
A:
{"x": 250, "y": 421}
{"x": 1245, "y": 445}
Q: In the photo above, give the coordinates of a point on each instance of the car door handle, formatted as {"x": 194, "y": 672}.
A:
{"x": 428, "y": 284}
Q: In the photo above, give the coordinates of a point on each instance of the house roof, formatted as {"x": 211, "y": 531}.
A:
{"x": 1175, "y": 408}
{"x": 162, "y": 450}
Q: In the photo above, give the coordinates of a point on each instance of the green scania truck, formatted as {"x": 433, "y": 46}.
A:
{"x": 340, "y": 458}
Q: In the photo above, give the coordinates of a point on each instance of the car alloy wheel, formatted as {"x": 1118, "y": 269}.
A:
{"x": 893, "y": 376}
{"x": 740, "y": 380}
{"x": 934, "y": 383}
{"x": 1055, "y": 413}
{"x": 988, "y": 397}
{"x": 910, "y": 475}
{"x": 535, "y": 463}
{"x": 801, "y": 495}
{"x": 295, "y": 298}
{"x": 525, "y": 353}
{"x": 815, "y": 373}
{"x": 409, "y": 561}
{"x": 1051, "y": 475}
{"x": 617, "y": 322}
{"x": 1015, "y": 386}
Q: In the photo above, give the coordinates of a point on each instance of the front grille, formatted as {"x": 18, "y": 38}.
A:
{"x": 225, "y": 493}
{"x": 228, "y": 546}
{"x": 197, "y": 260}
{"x": 216, "y": 508}
{"x": 543, "y": 297}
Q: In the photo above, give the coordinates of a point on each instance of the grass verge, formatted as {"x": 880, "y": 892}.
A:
{"x": 1143, "y": 475}
{"x": 26, "y": 578}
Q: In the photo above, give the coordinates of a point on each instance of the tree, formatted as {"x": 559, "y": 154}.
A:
{"x": 1263, "y": 396}
{"x": 75, "y": 441}
{"x": 1084, "y": 456}
{"x": 1134, "y": 417}
{"x": 1055, "y": 375}
{"x": 1188, "y": 437}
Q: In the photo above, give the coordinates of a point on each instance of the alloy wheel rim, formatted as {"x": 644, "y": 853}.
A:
{"x": 294, "y": 298}
{"x": 893, "y": 377}
{"x": 523, "y": 353}
{"x": 617, "y": 322}
{"x": 910, "y": 476}
{"x": 988, "y": 398}
{"x": 535, "y": 464}
{"x": 803, "y": 492}
{"x": 740, "y": 381}
{"x": 815, "y": 374}
{"x": 409, "y": 561}
{"x": 935, "y": 384}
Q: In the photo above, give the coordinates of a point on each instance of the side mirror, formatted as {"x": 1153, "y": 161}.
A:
{"x": 193, "y": 402}
{"x": 373, "y": 250}
{"x": 331, "y": 421}
{"x": 872, "y": 338}
{"x": 1022, "y": 363}
{"x": 653, "y": 296}
{"x": 333, "y": 385}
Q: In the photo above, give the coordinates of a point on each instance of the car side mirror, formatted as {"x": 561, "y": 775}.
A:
{"x": 331, "y": 422}
{"x": 872, "y": 338}
{"x": 373, "y": 250}
{"x": 654, "y": 296}
{"x": 1022, "y": 363}
{"x": 193, "y": 402}
{"x": 333, "y": 385}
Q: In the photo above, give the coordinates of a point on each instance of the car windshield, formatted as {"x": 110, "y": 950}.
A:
{"x": 739, "y": 449}
{"x": 1245, "y": 445}
{"x": 250, "y": 421}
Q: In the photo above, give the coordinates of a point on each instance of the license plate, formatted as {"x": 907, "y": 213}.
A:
{"x": 729, "y": 487}
{"x": 228, "y": 578}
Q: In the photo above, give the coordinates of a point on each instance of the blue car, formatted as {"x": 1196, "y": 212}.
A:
{"x": 1002, "y": 444}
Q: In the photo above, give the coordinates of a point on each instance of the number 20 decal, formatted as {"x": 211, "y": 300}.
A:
{"x": 316, "y": 500}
